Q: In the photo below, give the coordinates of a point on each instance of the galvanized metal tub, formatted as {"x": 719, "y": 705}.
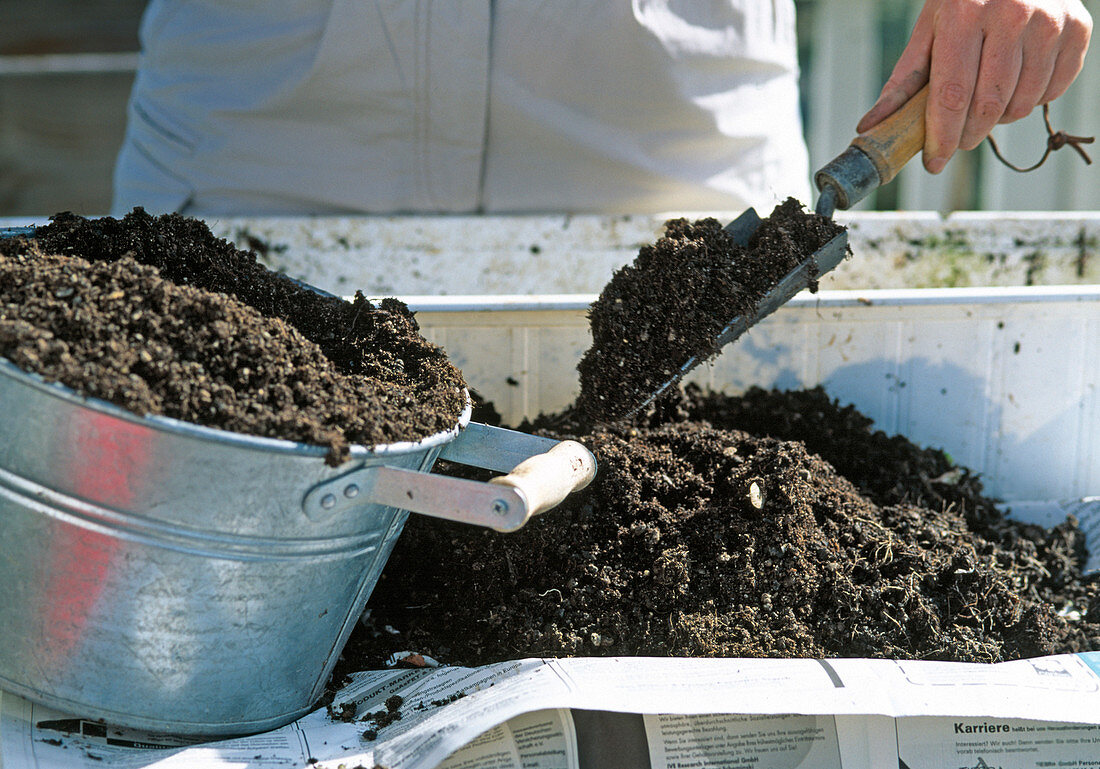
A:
{"x": 180, "y": 579}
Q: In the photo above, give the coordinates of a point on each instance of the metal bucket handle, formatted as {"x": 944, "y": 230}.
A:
{"x": 540, "y": 474}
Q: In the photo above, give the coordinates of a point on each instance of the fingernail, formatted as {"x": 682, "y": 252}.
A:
{"x": 935, "y": 165}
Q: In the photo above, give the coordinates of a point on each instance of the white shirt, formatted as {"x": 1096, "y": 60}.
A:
{"x": 244, "y": 107}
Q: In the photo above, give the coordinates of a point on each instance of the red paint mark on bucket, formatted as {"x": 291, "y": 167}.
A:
{"x": 105, "y": 464}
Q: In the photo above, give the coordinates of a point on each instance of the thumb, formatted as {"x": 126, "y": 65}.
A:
{"x": 909, "y": 76}
{"x": 888, "y": 102}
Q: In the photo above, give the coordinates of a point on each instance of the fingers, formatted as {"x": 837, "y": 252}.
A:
{"x": 1071, "y": 57}
{"x": 998, "y": 82}
{"x": 1035, "y": 77}
{"x": 986, "y": 62}
{"x": 956, "y": 56}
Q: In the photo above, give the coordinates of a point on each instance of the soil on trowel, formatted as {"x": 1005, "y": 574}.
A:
{"x": 776, "y": 524}
{"x": 156, "y": 315}
{"x": 673, "y": 301}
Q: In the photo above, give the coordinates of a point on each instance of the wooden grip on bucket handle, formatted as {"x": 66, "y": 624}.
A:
{"x": 539, "y": 473}
{"x": 547, "y": 479}
{"x": 893, "y": 142}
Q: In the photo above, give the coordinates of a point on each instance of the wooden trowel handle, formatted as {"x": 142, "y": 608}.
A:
{"x": 893, "y": 142}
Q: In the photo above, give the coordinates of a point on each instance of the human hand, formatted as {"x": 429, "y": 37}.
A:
{"x": 986, "y": 62}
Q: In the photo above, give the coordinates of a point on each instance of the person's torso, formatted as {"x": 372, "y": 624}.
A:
{"x": 325, "y": 106}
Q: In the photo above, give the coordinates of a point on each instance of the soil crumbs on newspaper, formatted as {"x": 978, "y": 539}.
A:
{"x": 156, "y": 315}
{"x": 776, "y": 524}
{"x": 678, "y": 295}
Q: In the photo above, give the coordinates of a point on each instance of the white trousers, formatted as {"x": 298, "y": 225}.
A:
{"x": 253, "y": 107}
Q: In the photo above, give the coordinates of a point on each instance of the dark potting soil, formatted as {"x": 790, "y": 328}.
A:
{"x": 156, "y": 315}
{"x": 673, "y": 301}
{"x": 773, "y": 524}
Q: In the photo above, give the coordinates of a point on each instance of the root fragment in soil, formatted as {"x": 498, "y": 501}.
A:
{"x": 157, "y": 316}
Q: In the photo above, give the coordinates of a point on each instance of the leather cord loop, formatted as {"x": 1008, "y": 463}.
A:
{"x": 1055, "y": 141}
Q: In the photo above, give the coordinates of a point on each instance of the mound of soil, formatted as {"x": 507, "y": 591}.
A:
{"x": 773, "y": 524}
{"x": 156, "y": 315}
{"x": 673, "y": 301}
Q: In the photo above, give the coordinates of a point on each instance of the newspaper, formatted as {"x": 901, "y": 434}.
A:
{"x": 634, "y": 713}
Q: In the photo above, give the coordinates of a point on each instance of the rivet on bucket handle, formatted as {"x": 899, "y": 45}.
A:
{"x": 540, "y": 474}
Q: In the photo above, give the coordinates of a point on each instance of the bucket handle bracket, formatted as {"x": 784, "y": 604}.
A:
{"x": 540, "y": 473}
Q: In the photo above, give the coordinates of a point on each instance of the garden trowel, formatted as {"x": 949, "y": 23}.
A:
{"x": 871, "y": 160}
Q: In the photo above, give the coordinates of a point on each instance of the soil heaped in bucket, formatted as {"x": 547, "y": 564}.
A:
{"x": 773, "y": 524}
{"x": 672, "y": 303}
{"x": 156, "y": 315}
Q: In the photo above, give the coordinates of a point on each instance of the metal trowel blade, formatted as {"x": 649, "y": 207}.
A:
{"x": 812, "y": 267}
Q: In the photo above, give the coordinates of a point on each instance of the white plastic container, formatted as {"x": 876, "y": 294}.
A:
{"x": 1005, "y": 380}
{"x": 1002, "y": 377}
